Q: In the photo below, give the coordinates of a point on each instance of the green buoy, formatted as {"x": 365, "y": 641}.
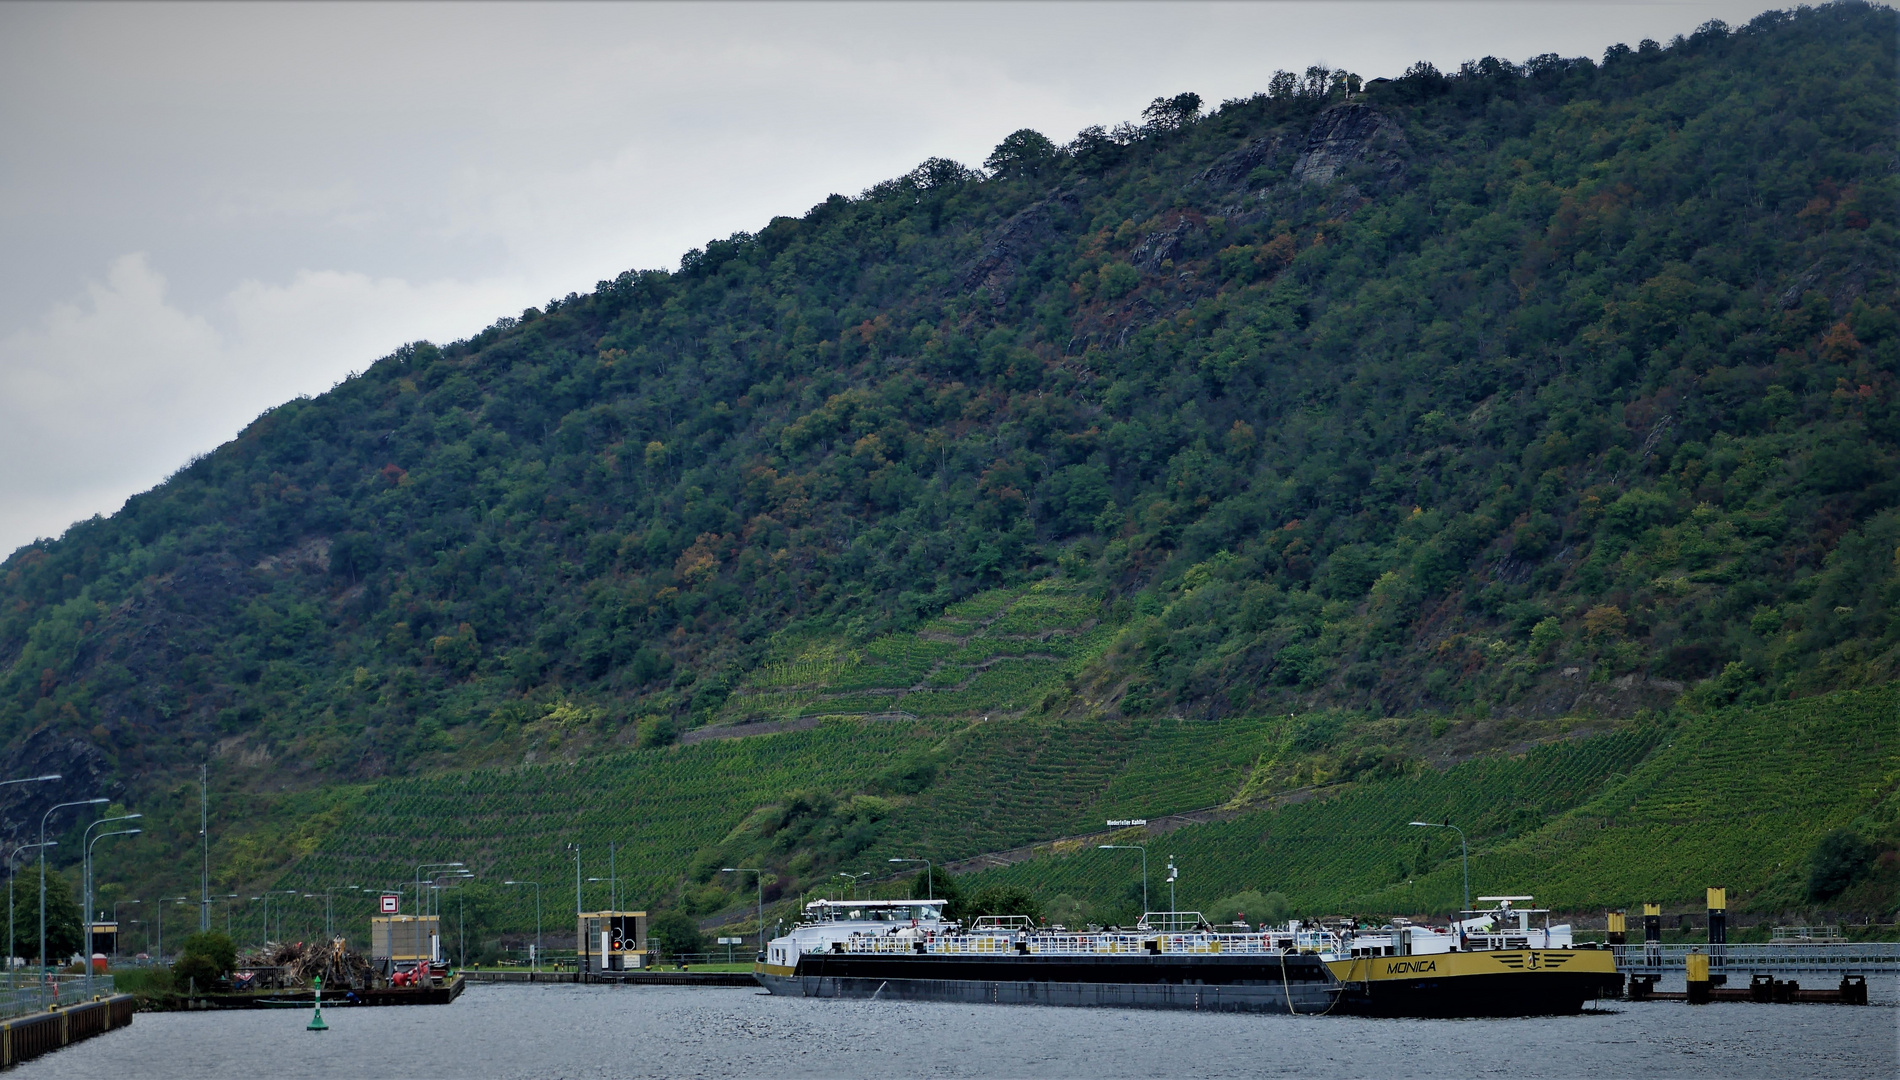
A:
{"x": 316, "y": 1021}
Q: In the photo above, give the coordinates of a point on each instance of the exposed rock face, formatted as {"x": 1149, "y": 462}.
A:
{"x": 84, "y": 770}
{"x": 1233, "y": 168}
{"x": 1160, "y": 246}
{"x": 311, "y": 554}
{"x": 1351, "y": 135}
{"x": 1016, "y": 242}
{"x": 1570, "y": 693}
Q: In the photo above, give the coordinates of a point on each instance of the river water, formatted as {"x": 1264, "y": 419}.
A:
{"x": 597, "y": 1031}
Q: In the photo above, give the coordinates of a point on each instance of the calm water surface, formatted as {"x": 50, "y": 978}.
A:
{"x": 586, "y": 1031}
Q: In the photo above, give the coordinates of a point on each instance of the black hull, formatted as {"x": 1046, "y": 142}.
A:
{"x": 1551, "y": 994}
{"x": 1207, "y": 983}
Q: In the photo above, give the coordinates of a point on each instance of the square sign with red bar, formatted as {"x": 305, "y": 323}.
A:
{"x": 390, "y": 902}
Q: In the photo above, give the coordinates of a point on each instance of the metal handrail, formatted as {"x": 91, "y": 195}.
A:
{"x": 1088, "y": 944}
{"x": 35, "y": 996}
{"x": 1777, "y": 956}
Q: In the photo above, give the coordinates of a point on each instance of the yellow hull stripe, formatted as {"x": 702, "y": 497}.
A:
{"x": 1453, "y": 965}
{"x": 771, "y": 969}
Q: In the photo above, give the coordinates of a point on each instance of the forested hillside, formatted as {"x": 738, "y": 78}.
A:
{"x": 1522, "y": 390}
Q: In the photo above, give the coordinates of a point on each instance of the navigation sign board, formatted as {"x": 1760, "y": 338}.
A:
{"x": 1114, "y": 823}
{"x": 391, "y": 903}
{"x": 731, "y": 941}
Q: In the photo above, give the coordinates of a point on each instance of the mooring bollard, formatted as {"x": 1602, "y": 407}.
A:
{"x": 1700, "y": 992}
{"x": 1718, "y": 937}
{"x": 1652, "y": 939}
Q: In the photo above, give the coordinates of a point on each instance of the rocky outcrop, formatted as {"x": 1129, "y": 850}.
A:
{"x": 1569, "y": 692}
{"x": 1160, "y": 246}
{"x": 1232, "y": 169}
{"x": 84, "y": 773}
{"x": 1351, "y": 135}
{"x": 1016, "y": 242}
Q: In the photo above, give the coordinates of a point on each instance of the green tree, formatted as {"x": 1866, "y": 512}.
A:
{"x": 674, "y": 933}
{"x": 64, "y": 937}
{"x": 1172, "y": 112}
{"x": 204, "y": 959}
{"x": 1259, "y": 909}
{"x": 1839, "y": 861}
{"x": 1024, "y": 153}
{"x": 937, "y": 883}
{"x": 1004, "y": 900}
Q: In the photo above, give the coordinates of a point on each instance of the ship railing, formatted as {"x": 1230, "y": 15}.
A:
{"x": 1081, "y": 944}
{"x": 1776, "y": 956}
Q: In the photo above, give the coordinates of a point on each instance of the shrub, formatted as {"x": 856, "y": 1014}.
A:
{"x": 674, "y": 933}
{"x": 1840, "y": 860}
{"x": 1004, "y": 900}
{"x": 204, "y": 960}
{"x": 1260, "y": 909}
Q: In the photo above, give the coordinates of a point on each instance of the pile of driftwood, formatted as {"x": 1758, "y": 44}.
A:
{"x": 296, "y": 963}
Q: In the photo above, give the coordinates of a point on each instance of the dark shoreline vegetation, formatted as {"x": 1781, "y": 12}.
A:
{"x": 1332, "y": 440}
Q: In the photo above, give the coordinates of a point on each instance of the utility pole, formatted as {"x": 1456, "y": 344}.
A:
{"x": 580, "y": 960}
{"x": 204, "y": 830}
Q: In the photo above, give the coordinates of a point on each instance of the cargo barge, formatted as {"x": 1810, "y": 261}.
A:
{"x": 1487, "y": 963}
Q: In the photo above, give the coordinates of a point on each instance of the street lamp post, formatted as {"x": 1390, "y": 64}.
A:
{"x": 162, "y": 901}
{"x": 87, "y": 874}
{"x": 758, "y": 877}
{"x": 854, "y": 881}
{"x": 43, "y": 817}
{"x": 120, "y": 935}
{"x": 15, "y": 853}
{"x": 537, "y": 921}
{"x": 1143, "y": 848}
{"x": 1173, "y": 872}
{"x": 227, "y": 898}
{"x": 930, "y": 876}
{"x": 419, "y": 868}
{"x": 582, "y": 953}
{"x": 8, "y": 783}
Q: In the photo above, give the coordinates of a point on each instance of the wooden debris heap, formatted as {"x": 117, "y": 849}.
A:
{"x": 296, "y": 963}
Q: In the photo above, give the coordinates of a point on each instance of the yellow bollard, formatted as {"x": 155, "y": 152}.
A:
{"x": 1697, "y": 965}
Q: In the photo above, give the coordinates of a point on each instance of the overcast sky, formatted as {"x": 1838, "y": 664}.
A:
{"x": 208, "y": 209}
